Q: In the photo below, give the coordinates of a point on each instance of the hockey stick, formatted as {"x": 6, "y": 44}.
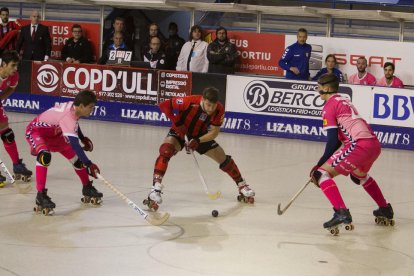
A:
{"x": 279, "y": 211}
{"x": 150, "y": 219}
{"x": 22, "y": 190}
{"x": 203, "y": 181}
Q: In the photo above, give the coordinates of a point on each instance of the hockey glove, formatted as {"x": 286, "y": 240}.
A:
{"x": 315, "y": 175}
{"x": 87, "y": 144}
{"x": 93, "y": 170}
{"x": 193, "y": 144}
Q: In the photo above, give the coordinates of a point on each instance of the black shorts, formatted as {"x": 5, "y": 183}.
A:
{"x": 201, "y": 149}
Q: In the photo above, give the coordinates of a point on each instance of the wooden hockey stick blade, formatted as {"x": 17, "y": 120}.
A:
{"x": 22, "y": 188}
{"x": 214, "y": 196}
{"x": 157, "y": 219}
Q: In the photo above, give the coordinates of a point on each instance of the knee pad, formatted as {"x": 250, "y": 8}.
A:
{"x": 44, "y": 158}
{"x": 78, "y": 164}
{"x": 167, "y": 150}
{"x": 8, "y": 136}
{"x": 323, "y": 176}
{"x": 358, "y": 180}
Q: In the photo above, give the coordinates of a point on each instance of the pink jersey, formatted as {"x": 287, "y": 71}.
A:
{"x": 396, "y": 82}
{"x": 339, "y": 112}
{"x": 62, "y": 115}
{"x": 367, "y": 79}
{"x": 10, "y": 81}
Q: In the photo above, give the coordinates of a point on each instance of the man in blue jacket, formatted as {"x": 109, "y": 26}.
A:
{"x": 295, "y": 59}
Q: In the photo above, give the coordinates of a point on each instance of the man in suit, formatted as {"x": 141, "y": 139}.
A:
{"x": 35, "y": 40}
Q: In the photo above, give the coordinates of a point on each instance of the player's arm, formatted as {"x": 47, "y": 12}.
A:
{"x": 91, "y": 167}
{"x": 332, "y": 145}
{"x": 212, "y": 134}
{"x": 284, "y": 61}
{"x": 166, "y": 107}
{"x": 87, "y": 143}
{"x": 7, "y": 92}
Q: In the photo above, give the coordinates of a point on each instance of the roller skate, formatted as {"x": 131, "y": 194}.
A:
{"x": 44, "y": 203}
{"x": 154, "y": 197}
{"x": 341, "y": 216}
{"x": 21, "y": 172}
{"x": 2, "y": 181}
{"x": 91, "y": 194}
{"x": 246, "y": 194}
{"x": 384, "y": 216}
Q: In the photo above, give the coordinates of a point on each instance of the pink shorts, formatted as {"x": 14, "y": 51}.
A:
{"x": 358, "y": 155}
{"x": 41, "y": 136}
{"x": 3, "y": 117}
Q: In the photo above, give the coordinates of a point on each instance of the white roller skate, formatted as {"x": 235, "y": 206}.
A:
{"x": 246, "y": 194}
{"x": 154, "y": 197}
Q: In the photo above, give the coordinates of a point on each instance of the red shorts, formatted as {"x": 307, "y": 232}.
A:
{"x": 3, "y": 117}
{"x": 41, "y": 136}
{"x": 359, "y": 155}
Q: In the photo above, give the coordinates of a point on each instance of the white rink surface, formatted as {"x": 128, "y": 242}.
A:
{"x": 244, "y": 240}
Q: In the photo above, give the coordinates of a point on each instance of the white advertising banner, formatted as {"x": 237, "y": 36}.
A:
{"x": 347, "y": 51}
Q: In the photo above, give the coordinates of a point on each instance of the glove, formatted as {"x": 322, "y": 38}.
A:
{"x": 193, "y": 144}
{"x": 181, "y": 130}
{"x": 315, "y": 175}
{"x": 87, "y": 144}
{"x": 93, "y": 170}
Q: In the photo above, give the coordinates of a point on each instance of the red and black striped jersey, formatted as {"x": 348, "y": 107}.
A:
{"x": 191, "y": 114}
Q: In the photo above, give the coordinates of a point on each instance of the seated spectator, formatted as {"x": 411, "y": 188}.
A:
{"x": 389, "y": 79}
{"x": 221, "y": 54}
{"x": 362, "y": 77}
{"x": 173, "y": 46}
{"x": 77, "y": 49}
{"x": 118, "y": 26}
{"x": 155, "y": 56}
{"x": 9, "y": 31}
{"x": 193, "y": 55}
{"x": 330, "y": 62}
{"x": 118, "y": 45}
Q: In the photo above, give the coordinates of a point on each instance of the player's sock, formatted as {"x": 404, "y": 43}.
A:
{"x": 41, "y": 174}
{"x": 372, "y": 188}
{"x": 80, "y": 170}
{"x": 331, "y": 191}
{"x": 230, "y": 167}
{"x": 11, "y": 149}
{"x": 161, "y": 164}
{"x": 83, "y": 175}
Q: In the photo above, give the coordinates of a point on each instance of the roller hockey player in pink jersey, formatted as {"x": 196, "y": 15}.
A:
{"x": 352, "y": 148}
{"x": 57, "y": 130}
{"x": 362, "y": 77}
{"x": 9, "y": 78}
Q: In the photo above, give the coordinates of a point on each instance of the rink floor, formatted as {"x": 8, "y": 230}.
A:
{"x": 243, "y": 240}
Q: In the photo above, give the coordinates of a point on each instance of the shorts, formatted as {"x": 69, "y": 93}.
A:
{"x": 3, "y": 117}
{"x": 41, "y": 136}
{"x": 201, "y": 149}
{"x": 358, "y": 155}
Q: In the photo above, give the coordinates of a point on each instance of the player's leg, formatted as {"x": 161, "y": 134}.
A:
{"x": 43, "y": 155}
{"x": 170, "y": 146}
{"x": 213, "y": 150}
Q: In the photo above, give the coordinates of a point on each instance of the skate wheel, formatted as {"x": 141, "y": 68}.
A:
{"x": 26, "y": 178}
{"x": 334, "y": 231}
{"x": 377, "y": 220}
{"x": 45, "y": 211}
{"x": 392, "y": 222}
{"x": 250, "y": 200}
{"x": 349, "y": 227}
{"x": 239, "y": 198}
{"x": 16, "y": 176}
{"x": 83, "y": 200}
{"x": 145, "y": 202}
{"x": 95, "y": 201}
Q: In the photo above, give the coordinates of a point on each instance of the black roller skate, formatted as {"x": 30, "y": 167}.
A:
{"x": 341, "y": 216}
{"x": 246, "y": 194}
{"x": 2, "y": 181}
{"x": 384, "y": 216}
{"x": 44, "y": 204}
{"x": 21, "y": 172}
{"x": 154, "y": 197}
{"x": 91, "y": 194}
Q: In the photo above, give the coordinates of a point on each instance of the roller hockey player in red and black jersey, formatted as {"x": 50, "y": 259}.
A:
{"x": 199, "y": 118}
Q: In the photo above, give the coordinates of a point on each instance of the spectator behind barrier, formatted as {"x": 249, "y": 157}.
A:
{"x": 389, "y": 79}
{"x": 173, "y": 46}
{"x": 153, "y": 31}
{"x": 34, "y": 40}
{"x": 330, "y": 62}
{"x": 221, "y": 54}
{"x": 118, "y": 26}
{"x": 77, "y": 49}
{"x": 9, "y": 30}
{"x": 295, "y": 59}
{"x": 155, "y": 57}
{"x": 117, "y": 45}
{"x": 362, "y": 77}
{"x": 193, "y": 55}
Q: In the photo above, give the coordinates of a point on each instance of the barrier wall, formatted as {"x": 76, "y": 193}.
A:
{"x": 254, "y": 106}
